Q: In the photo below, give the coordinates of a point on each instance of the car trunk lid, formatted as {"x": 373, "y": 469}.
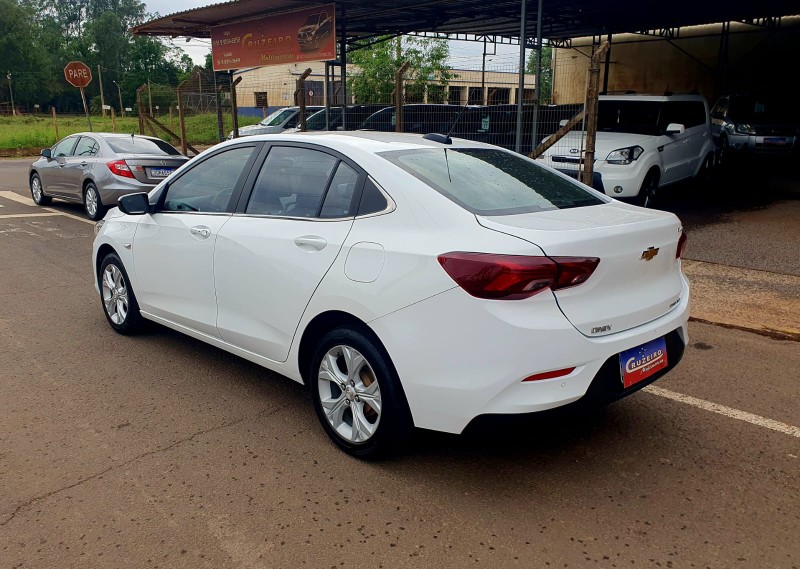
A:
{"x": 150, "y": 169}
{"x": 638, "y": 278}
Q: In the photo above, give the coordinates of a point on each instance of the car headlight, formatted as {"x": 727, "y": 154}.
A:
{"x": 745, "y": 128}
{"x": 624, "y": 155}
{"x": 98, "y": 226}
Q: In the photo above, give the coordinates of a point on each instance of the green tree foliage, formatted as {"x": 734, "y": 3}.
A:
{"x": 374, "y": 81}
{"x": 546, "y": 87}
{"x": 38, "y": 38}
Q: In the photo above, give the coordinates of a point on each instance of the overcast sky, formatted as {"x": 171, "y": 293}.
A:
{"x": 463, "y": 55}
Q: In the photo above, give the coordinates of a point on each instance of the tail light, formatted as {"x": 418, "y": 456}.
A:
{"x": 513, "y": 277}
{"x": 681, "y": 245}
{"x": 120, "y": 168}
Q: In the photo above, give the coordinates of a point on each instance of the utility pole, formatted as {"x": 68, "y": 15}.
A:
{"x": 102, "y": 97}
{"x": 119, "y": 91}
{"x": 11, "y": 94}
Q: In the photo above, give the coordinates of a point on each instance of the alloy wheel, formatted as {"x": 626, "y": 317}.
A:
{"x": 36, "y": 189}
{"x": 91, "y": 201}
{"x": 349, "y": 394}
{"x": 115, "y": 294}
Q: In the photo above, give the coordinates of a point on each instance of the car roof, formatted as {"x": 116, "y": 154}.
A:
{"x": 368, "y": 140}
{"x": 113, "y": 135}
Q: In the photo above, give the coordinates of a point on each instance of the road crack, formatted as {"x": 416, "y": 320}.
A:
{"x": 263, "y": 413}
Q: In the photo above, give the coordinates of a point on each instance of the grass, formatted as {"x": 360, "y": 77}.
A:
{"x": 39, "y": 132}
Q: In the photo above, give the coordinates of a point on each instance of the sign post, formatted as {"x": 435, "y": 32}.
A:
{"x": 79, "y": 75}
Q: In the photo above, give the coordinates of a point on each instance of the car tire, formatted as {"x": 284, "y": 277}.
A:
{"x": 117, "y": 297}
{"x": 723, "y": 151}
{"x": 647, "y": 193}
{"x": 37, "y": 191}
{"x": 357, "y": 394}
{"x": 91, "y": 202}
{"x": 706, "y": 172}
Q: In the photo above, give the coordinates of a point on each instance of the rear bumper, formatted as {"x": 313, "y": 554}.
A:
{"x": 459, "y": 357}
{"x": 110, "y": 193}
{"x": 771, "y": 145}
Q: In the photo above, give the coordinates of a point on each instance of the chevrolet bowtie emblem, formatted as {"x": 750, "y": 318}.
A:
{"x": 649, "y": 253}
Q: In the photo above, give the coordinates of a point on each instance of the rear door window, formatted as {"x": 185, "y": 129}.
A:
{"x": 292, "y": 182}
{"x": 86, "y": 148}
{"x": 492, "y": 182}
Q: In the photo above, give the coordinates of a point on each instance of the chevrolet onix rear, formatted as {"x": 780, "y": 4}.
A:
{"x": 407, "y": 282}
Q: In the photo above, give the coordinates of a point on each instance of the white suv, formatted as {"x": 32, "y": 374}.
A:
{"x": 644, "y": 143}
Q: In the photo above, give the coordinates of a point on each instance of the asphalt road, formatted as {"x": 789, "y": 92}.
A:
{"x": 160, "y": 451}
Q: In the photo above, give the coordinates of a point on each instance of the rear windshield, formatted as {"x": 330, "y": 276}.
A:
{"x": 278, "y": 117}
{"x": 492, "y": 182}
{"x": 138, "y": 145}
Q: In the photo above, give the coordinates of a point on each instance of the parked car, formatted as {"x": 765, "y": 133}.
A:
{"x": 417, "y": 118}
{"x": 405, "y": 281}
{"x": 764, "y": 124}
{"x": 276, "y": 122}
{"x": 354, "y": 117}
{"x": 317, "y": 28}
{"x": 97, "y": 168}
{"x": 644, "y": 143}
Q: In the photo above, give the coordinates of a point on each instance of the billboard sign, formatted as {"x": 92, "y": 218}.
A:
{"x": 303, "y": 35}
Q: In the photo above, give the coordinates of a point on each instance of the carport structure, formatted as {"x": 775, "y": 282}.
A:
{"x": 526, "y": 23}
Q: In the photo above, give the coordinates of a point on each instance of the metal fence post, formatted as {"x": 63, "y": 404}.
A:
{"x": 300, "y": 97}
{"x": 592, "y": 92}
{"x": 398, "y": 97}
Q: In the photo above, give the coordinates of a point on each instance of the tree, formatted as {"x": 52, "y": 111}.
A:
{"x": 374, "y": 81}
{"x": 546, "y": 86}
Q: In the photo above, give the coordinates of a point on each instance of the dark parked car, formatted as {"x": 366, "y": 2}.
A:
{"x": 354, "y": 117}
{"x": 97, "y": 168}
{"x": 416, "y": 118}
{"x": 755, "y": 124}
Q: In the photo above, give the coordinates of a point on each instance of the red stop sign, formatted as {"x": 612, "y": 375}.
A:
{"x": 78, "y": 74}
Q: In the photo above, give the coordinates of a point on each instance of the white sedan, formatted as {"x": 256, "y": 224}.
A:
{"x": 408, "y": 281}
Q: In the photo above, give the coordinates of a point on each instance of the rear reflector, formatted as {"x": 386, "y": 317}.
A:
{"x": 550, "y": 374}
{"x": 681, "y": 245}
{"x": 120, "y": 168}
{"x": 513, "y": 277}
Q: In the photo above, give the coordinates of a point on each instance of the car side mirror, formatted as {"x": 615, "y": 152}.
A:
{"x": 134, "y": 204}
{"x": 47, "y": 153}
{"x": 675, "y": 128}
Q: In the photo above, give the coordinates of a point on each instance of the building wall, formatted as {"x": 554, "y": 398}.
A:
{"x": 758, "y": 59}
{"x": 279, "y": 82}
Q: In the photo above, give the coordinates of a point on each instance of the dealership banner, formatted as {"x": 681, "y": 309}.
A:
{"x": 304, "y": 35}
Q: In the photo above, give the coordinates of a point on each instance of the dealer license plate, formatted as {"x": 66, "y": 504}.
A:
{"x": 639, "y": 363}
{"x": 161, "y": 172}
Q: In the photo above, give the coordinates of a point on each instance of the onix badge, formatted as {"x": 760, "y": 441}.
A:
{"x": 649, "y": 253}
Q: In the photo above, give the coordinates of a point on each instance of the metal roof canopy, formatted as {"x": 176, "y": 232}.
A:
{"x": 561, "y": 19}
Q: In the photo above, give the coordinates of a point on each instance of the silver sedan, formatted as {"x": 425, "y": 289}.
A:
{"x": 97, "y": 168}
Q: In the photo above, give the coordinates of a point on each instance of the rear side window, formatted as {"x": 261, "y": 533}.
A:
{"x": 687, "y": 113}
{"x": 139, "y": 145}
{"x": 292, "y": 182}
{"x": 339, "y": 198}
{"x": 372, "y": 199}
{"x": 492, "y": 182}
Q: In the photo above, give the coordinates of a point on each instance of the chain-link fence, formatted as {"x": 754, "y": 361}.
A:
{"x": 474, "y": 104}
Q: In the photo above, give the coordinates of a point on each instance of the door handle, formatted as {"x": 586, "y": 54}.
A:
{"x": 200, "y": 231}
{"x": 310, "y": 243}
{"x": 84, "y": 163}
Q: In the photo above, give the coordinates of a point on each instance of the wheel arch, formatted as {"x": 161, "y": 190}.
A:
{"x": 102, "y": 252}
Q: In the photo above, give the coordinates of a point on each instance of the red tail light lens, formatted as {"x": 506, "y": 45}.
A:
{"x": 681, "y": 245}
{"x": 120, "y": 168}
{"x": 513, "y": 277}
